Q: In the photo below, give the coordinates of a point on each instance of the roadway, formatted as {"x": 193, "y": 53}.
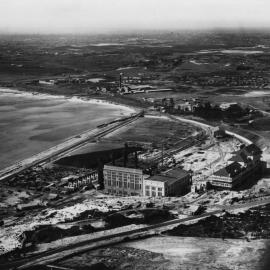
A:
{"x": 75, "y": 248}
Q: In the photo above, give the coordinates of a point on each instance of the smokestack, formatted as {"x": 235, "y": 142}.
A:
{"x": 125, "y": 154}
{"x": 113, "y": 158}
{"x": 100, "y": 173}
{"x": 136, "y": 159}
{"x": 120, "y": 80}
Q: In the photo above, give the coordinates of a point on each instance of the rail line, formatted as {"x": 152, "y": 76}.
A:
{"x": 49, "y": 256}
{"x": 56, "y": 152}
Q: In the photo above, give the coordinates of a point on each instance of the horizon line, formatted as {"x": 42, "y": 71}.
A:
{"x": 138, "y": 31}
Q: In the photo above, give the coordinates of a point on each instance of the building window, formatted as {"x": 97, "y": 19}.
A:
{"x": 147, "y": 187}
{"x": 159, "y": 189}
{"x": 132, "y": 184}
{"x": 125, "y": 183}
{"x": 153, "y": 188}
{"x": 159, "y": 194}
{"x": 147, "y": 193}
{"x": 153, "y": 194}
{"x": 137, "y": 185}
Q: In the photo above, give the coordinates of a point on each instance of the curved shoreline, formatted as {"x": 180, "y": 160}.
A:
{"x": 129, "y": 108}
{"x": 86, "y": 113}
{"x": 71, "y": 98}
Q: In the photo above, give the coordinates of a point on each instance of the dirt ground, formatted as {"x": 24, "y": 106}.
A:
{"x": 153, "y": 129}
{"x": 173, "y": 253}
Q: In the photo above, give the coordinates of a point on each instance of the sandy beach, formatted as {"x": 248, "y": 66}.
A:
{"x": 33, "y": 122}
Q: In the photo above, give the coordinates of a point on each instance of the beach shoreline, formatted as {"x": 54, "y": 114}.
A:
{"x": 70, "y": 98}
{"x": 44, "y": 120}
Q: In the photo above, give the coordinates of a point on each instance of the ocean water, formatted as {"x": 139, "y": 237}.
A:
{"x": 31, "y": 123}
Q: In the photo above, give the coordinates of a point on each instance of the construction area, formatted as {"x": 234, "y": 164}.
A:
{"x": 60, "y": 207}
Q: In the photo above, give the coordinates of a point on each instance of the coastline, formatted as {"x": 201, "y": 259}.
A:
{"x": 62, "y": 117}
{"x": 70, "y": 98}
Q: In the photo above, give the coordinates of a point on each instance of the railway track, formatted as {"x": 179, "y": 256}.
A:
{"x": 72, "y": 144}
{"x": 76, "y": 248}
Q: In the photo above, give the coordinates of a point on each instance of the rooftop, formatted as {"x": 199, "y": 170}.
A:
{"x": 176, "y": 172}
{"x": 253, "y": 149}
{"x": 122, "y": 169}
{"x": 239, "y": 156}
{"x": 230, "y": 170}
{"x": 170, "y": 176}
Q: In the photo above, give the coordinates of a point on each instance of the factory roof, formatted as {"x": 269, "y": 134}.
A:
{"x": 230, "y": 170}
{"x": 253, "y": 149}
{"x": 176, "y": 172}
{"x": 122, "y": 169}
{"x": 239, "y": 156}
{"x": 170, "y": 176}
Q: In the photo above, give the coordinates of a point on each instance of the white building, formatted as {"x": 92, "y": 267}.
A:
{"x": 171, "y": 183}
{"x": 123, "y": 181}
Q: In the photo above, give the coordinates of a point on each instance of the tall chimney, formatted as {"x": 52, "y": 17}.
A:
{"x": 136, "y": 159}
{"x": 125, "y": 154}
{"x": 120, "y": 80}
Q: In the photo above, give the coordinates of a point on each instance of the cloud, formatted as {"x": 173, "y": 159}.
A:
{"x": 52, "y": 16}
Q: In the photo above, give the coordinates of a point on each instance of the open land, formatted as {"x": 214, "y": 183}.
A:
{"x": 177, "y": 252}
{"x": 171, "y": 76}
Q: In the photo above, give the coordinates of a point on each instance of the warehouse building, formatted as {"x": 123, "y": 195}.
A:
{"x": 123, "y": 181}
{"x": 246, "y": 164}
{"x": 174, "y": 182}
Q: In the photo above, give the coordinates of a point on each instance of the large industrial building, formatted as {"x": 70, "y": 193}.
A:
{"x": 123, "y": 181}
{"x": 174, "y": 182}
{"x": 245, "y": 164}
{"x": 132, "y": 182}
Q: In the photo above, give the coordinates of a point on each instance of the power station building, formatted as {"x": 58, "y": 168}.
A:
{"x": 132, "y": 182}
{"x": 174, "y": 182}
{"x": 123, "y": 181}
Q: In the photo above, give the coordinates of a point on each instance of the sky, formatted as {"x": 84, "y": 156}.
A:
{"x": 98, "y": 16}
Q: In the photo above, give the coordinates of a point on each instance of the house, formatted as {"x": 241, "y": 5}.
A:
{"x": 219, "y": 133}
{"x": 75, "y": 182}
{"x": 29, "y": 206}
{"x": 226, "y": 105}
{"x": 227, "y": 176}
{"x": 184, "y": 107}
{"x": 47, "y": 82}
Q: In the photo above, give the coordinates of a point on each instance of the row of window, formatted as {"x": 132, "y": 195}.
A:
{"x": 129, "y": 185}
{"x": 221, "y": 184}
{"x": 122, "y": 192}
{"x": 153, "y": 194}
{"x": 113, "y": 177}
{"x": 153, "y": 188}
{"x": 123, "y": 174}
